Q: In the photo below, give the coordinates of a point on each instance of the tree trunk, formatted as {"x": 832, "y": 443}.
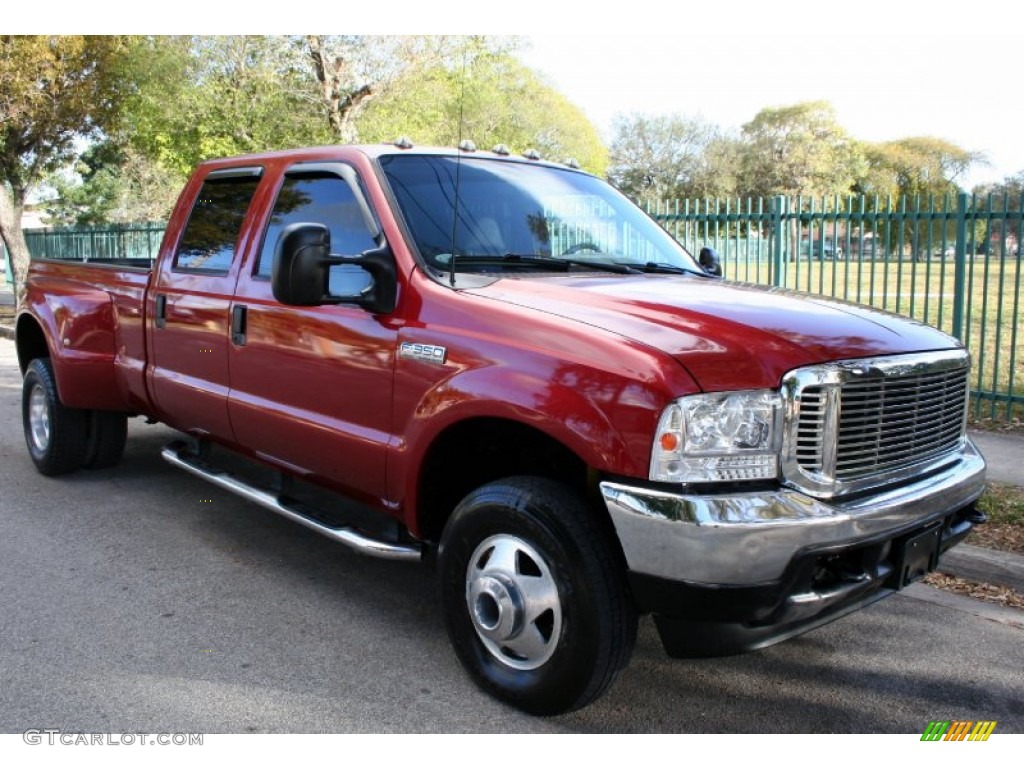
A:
{"x": 342, "y": 103}
{"x": 12, "y": 205}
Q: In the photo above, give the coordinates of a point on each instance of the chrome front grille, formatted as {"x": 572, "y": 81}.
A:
{"x": 863, "y": 423}
{"x": 810, "y": 443}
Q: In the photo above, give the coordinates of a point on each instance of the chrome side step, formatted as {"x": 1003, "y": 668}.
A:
{"x": 176, "y": 454}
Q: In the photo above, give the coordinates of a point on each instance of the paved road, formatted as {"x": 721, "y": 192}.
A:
{"x": 141, "y": 599}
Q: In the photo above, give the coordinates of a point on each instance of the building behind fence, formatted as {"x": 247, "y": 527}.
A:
{"x": 954, "y": 263}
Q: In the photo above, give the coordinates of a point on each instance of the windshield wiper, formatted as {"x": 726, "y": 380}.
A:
{"x": 543, "y": 262}
{"x": 662, "y": 268}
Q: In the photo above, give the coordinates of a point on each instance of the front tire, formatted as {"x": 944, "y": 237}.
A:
{"x": 534, "y": 595}
{"x": 57, "y": 436}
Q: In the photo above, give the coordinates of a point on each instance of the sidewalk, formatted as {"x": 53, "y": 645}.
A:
{"x": 1004, "y": 457}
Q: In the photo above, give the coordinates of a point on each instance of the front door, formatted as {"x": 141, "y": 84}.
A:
{"x": 311, "y": 386}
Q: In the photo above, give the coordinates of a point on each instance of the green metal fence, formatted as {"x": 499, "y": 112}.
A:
{"x": 954, "y": 263}
{"x": 121, "y": 241}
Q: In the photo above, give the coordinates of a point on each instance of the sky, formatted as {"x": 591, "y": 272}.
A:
{"x": 962, "y": 88}
{"x": 891, "y": 70}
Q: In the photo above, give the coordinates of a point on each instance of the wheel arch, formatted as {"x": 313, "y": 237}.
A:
{"x": 474, "y": 451}
{"x": 30, "y": 341}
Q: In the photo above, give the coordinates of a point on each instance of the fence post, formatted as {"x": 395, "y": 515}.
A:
{"x": 778, "y": 240}
{"x": 960, "y": 267}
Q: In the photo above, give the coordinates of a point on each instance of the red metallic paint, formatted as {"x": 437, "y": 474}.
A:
{"x": 729, "y": 336}
{"x": 90, "y": 317}
{"x": 589, "y": 360}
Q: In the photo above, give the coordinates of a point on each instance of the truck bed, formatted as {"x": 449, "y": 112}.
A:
{"x": 95, "y": 310}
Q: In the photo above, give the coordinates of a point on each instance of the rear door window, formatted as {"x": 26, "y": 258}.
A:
{"x": 208, "y": 243}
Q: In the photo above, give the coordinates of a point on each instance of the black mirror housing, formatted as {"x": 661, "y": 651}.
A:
{"x": 301, "y": 262}
{"x": 709, "y": 261}
{"x": 300, "y": 273}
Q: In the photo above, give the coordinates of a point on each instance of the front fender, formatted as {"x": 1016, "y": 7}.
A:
{"x": 575, "y": 406}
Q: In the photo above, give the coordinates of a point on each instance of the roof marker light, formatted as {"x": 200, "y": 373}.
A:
{"x": 403, "y": 142}
{"x": 467, "y": 146}
{"x": 501, "y": 149}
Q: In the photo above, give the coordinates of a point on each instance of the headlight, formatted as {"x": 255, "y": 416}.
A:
{"x": 719, "y": 437}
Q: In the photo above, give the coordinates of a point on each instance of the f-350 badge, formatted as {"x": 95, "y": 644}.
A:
{"x": 425, "y": 353}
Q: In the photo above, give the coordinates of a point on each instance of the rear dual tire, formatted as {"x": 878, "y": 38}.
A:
{"x": 62, "y": 439}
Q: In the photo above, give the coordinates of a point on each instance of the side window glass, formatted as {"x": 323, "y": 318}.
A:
{"x": 320, "y": 198}
{"x": 209, "y": 240}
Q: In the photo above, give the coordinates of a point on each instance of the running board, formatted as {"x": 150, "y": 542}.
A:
{"x": 177, "y": 454}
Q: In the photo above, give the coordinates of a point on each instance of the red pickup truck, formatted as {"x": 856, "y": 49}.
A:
{"x": 504, "y": 367}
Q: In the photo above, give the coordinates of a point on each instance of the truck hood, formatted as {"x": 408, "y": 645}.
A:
{"x": 727, "y": 335}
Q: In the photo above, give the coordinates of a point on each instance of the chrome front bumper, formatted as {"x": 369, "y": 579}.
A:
{"x": 742, "y": 539}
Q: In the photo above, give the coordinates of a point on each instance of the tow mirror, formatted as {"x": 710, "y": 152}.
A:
{"x": 709, "y": 261}
{"x": 301, "y": 272}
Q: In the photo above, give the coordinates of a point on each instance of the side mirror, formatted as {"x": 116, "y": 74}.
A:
{"x": 709, "y": 261}
{"x": 302, "y": 259}
{"x": 300, "y": 275}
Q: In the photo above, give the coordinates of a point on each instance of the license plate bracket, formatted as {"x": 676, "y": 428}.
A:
{"x": 919, "y": 555}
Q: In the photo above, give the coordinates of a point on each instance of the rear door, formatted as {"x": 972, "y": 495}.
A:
{"x": 311, "y": 386}
{"x": 190, "y": 311}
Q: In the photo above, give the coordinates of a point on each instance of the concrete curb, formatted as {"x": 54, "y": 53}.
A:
{"x": 991, "y": 566}
{"x": 1000, "y": 614}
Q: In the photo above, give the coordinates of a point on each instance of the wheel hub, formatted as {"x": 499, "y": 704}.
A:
{"x": 513, "y": 602}
{"x": 497, "y": 607}
{"x": 39, "y": 419}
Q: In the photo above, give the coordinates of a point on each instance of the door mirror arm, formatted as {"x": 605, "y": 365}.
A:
{"x": 300, "y": 275}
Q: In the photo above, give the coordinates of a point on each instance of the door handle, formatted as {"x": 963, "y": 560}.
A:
{"x": 238, "y": 318}
{"x": 161, "y": 310}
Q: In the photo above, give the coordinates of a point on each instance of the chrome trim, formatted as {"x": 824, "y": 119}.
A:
{"x": 750, "y": 538}
{"x": 347, "y": 536}
{"x": 39, "y": 419}
{"x": 506, "y": 604}
{"x": 822, "y": 482}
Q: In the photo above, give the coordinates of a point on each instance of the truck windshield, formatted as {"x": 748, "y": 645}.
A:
{"x": 513, "y": 213}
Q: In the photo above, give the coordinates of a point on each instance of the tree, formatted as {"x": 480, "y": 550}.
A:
{"x": 671, "y": 157}
{"x": 1010, "y": 189}
{"x": 112, "y": 183}
{"x": 202, "y": 97}
{"x": 351, "y": 70}
{"x": 1000, "y": 234}
{"x": 799, "y": 150}
{"x": 917, "y": 166}
{"x": 491, "y": 98}
{"x": 54, "y": 90}
{"x": 196, "y": 98}
{"x": 220, "y": 96}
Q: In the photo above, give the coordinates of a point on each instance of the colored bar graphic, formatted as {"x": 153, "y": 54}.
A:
{"x": 958, "y": 730}
{"x": 935, "y": 730}
{"x": 982, "y": 730}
